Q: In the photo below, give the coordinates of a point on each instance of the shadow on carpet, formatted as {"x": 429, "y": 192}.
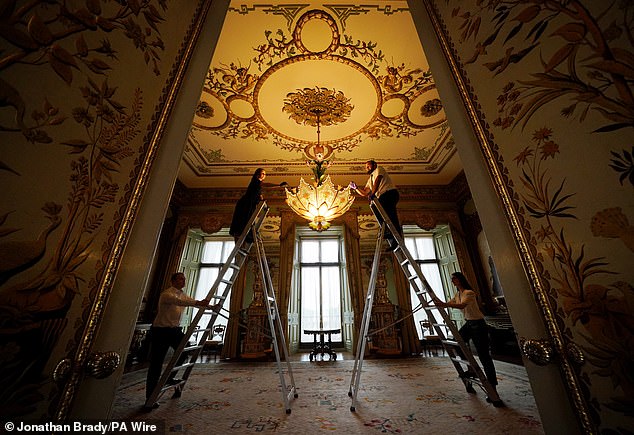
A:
{"x": 418, "y": 395}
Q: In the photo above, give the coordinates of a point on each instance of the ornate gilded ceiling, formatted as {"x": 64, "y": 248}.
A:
{"x": 359, "y": 68}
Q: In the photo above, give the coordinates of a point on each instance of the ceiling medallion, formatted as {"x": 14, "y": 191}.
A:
{"x": 402, "y": 98}
{"x": 204, "y": 110}
{"x": 316, "y": 107}
{"x": 309, "y": 106}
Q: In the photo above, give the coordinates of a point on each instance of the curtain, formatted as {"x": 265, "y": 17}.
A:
{"x": 287, "y": 251}
{"x": 353, "y": 270}
{"x": 232, "y": 335}
{"x": 409, "y": 337}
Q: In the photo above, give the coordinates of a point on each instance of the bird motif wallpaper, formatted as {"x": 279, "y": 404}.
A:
{"x": 83, "y": 93}
{"x": 552, "y": 81}
{"x": 80, "y": 89}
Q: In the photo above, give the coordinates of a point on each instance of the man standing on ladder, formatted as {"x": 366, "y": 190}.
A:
{"x": 166, "y": 331}
{"x": 381, "y": 187}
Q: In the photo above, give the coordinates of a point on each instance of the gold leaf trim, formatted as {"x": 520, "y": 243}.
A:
{"x": 530, "y": 265}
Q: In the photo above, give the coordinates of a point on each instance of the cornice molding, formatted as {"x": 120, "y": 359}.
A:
{"x": 456, "y": 192}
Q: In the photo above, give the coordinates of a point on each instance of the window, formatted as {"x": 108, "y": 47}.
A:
{"x": 320, "y": 285}
{"x": 422, "y": 248}
{"x": 215, "y": 253}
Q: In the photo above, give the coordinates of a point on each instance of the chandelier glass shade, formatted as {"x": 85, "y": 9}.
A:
{"x": 319, "y": 203}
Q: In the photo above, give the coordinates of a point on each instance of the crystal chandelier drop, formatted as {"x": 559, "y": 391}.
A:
{"x": 321, "y": 201}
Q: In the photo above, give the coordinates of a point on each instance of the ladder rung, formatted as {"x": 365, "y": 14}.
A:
{"x": 176, "y": 368}
{"x": 462, "y": 361}
{"x": 172, "y": 385}
{"x": 451, "y": 343}
{"x": 190, "y": 348}
{"x": 222, "y": 298}
{"x": 226, "y": 281}
{"x": 404, "y": 262}
{"x": 234, "y": 266}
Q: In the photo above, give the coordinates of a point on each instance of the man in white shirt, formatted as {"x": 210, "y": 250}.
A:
{"x": 381, "y": 187}
{"x": 166, "y": 331}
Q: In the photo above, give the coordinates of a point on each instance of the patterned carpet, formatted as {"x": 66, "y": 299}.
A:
{"x": 418, "y": 395}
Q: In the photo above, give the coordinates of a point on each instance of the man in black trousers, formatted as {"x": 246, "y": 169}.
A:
{"x": 166, "y": 331}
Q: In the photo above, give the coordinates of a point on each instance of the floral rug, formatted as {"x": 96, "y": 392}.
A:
{"x": 417, "y": 395}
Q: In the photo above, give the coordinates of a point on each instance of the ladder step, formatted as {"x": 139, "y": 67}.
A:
{"x": 227, "y": 276}
{"x": 451, "y": 343}
{"x": 172, "y": 384}
{"x": 176, "y": 368}
{"x": 461, "y": 361}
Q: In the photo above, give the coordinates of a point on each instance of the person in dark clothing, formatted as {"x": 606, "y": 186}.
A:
{"x": 475, "y": 327}
{"x": 247, "y": 204}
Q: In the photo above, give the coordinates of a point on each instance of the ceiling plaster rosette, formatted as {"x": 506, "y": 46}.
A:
{"x": 245, "y": 102}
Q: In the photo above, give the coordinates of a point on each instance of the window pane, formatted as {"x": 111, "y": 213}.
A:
{"x": 227, "y": 247}
{"x": 425, "y": 248}
{"x": 330, "y": 251}
{"x": 310, "y": 301}
{"x": 206, "y": 279}
{"x": 331, "y": 299}
{"x": 320, "y": 286}
{"x": 410, "y": 244}
{"x": 422, "y": 248}
{"x": 431, "y": 273}
{"x": 309, "y": 251}
{"x": 212, "y": 252}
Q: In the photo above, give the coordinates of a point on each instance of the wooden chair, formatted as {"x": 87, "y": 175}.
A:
{"x": 213, "y": 345}
{"x": 432, "y": 345}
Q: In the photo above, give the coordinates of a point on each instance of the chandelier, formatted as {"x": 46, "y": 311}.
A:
{"x": 319, "y": 202}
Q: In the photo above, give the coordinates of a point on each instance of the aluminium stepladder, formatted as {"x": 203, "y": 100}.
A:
{"x": 186, "y": 355}
{"x": 276, "y": 327}
{"x": 458, "y": 350}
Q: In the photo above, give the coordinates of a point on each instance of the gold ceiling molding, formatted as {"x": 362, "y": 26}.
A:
{"x": 241, "y": 98}
{"x": 287, "y": 11}
{"x": 454, "y": 192}
{"x": 343, "y": 12}
{"x": 319, "y": 106}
